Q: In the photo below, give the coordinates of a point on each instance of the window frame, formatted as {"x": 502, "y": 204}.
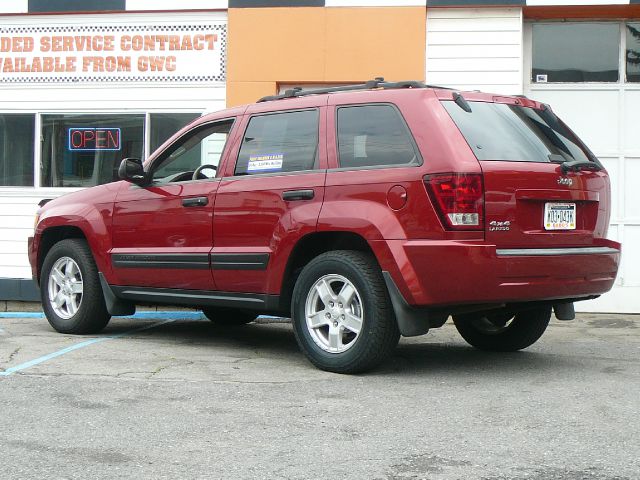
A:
{"x": 251, "y": 116}
{"x": 419, "y": 160}
{"x": 152, "y": 166}
{"x": 530, "y": 85}
{"x": 38, "y": 158}
{"x": 37, "y": 155}
{"x": 35, "y": 159}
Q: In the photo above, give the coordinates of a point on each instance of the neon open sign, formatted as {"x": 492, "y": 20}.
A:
{"x": 92, "y": 139}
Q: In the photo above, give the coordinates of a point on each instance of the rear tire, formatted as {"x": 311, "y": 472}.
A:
{"x": 342, "y": 315}
{"x": 501, "y": 332}
{"x": 70, "y": 289}
{"x": 229, "y": 316}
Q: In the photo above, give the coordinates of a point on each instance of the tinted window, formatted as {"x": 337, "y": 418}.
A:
{"x": 281, "y": 142}
{"x": 575, "y": 52}
{"x": 496, "y": 131}
{"x": 373, "y": 135}
{"x": 633, "y": 52}
{"x": 201, "y": 146}
{"x": 16, "y": 149}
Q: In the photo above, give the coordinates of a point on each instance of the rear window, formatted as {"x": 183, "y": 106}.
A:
{"x": 373, "y": 135}
{"x": 497, "y": 131}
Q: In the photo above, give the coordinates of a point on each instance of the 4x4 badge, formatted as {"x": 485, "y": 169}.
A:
{"x": 496, "y": 226}
{"x": 565, "y": 181}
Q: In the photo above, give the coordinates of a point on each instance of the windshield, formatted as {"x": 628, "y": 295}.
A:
{"x": 497, "y": 131}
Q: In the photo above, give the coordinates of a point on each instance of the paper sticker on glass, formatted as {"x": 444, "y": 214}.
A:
{"x": 265, "y": 163}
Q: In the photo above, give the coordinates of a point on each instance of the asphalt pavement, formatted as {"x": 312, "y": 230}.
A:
{"x": 174, "y": 396}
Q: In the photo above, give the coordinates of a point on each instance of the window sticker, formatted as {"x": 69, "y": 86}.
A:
{"x": 271, "y": 162}
{"x": 360, "y": 146}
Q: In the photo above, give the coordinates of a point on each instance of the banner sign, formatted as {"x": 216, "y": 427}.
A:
{"x": 92, "y": 139}
{"x": 114, "y": 53}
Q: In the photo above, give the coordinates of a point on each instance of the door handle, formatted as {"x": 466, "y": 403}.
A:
{"x": 195, "y": 202}
{"x": 291, "y": 195}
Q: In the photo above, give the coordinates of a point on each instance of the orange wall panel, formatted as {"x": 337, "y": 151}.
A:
{"x": 270, "y": 46}
{"x": 275, "y": 43}
{"x": 363, "y": 43}
{"x": 239, "y": 93}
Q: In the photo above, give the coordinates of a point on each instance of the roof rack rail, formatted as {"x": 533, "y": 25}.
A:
{"x": 377, "y": 82}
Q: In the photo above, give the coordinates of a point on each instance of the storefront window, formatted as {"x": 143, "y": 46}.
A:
{"x": 86, "y": 150}
{"x": 163, "y": 125}
{"x": 16, "y": 150}
{"x": 633, "y": 52}
{"x": 575, "y": 52}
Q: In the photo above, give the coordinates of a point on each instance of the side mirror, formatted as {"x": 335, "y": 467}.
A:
{"x": 132, "y": 171}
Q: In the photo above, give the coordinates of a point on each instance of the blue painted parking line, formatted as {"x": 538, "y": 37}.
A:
{"x": 50, "y": 356}
{"x": 21, "y": 315}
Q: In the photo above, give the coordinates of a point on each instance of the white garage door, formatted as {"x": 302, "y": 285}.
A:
{"x": 590, "y": 73}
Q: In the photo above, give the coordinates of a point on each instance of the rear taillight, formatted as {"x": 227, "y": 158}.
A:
{"x": 459, "y": 199}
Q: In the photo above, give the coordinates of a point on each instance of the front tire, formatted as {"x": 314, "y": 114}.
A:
{"x": 70, "y": 289}
{"x": 501, "y": 332}
{"x": 342, "y": 315}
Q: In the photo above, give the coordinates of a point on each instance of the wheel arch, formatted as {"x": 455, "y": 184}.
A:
{"x": 309, "y": 247}
{"x": 53, "y": 235}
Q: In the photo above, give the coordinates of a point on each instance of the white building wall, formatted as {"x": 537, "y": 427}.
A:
{"x": 475, "y": 48}
{"x": 17, "y": 213}
{"x": 18, "y": 205}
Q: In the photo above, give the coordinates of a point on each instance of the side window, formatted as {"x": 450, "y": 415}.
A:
{"x": 372, "y": 135}
{"x": 202, "y": 146}
{"x": 280, "y": 142}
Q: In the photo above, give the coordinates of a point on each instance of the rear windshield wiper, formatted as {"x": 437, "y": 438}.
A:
{"x": 577, "y": 165}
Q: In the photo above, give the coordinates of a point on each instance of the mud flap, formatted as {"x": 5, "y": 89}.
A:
{"x": 411, "y": 321}
{"x": 115, "y": 306}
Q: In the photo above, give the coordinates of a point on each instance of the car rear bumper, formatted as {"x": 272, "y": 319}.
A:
{"x": 436, "y": 273}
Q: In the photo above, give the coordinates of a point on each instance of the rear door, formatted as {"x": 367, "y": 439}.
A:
{"x": 530, "y": 200}
{"x": 270, "y": 196}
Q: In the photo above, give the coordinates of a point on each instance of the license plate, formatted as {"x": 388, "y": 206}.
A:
{"x": 560, "y": 216}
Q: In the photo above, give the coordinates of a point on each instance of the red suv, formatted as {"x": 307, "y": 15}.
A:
{"x": 364, "y": 212}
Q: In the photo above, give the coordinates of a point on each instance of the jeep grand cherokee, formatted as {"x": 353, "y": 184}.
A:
{"x": 363, "y": 212}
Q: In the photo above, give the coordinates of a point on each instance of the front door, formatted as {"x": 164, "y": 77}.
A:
{"x": 162, "y": 233}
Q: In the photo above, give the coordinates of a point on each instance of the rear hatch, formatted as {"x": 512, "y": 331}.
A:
{"x": 543, "y": 187}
